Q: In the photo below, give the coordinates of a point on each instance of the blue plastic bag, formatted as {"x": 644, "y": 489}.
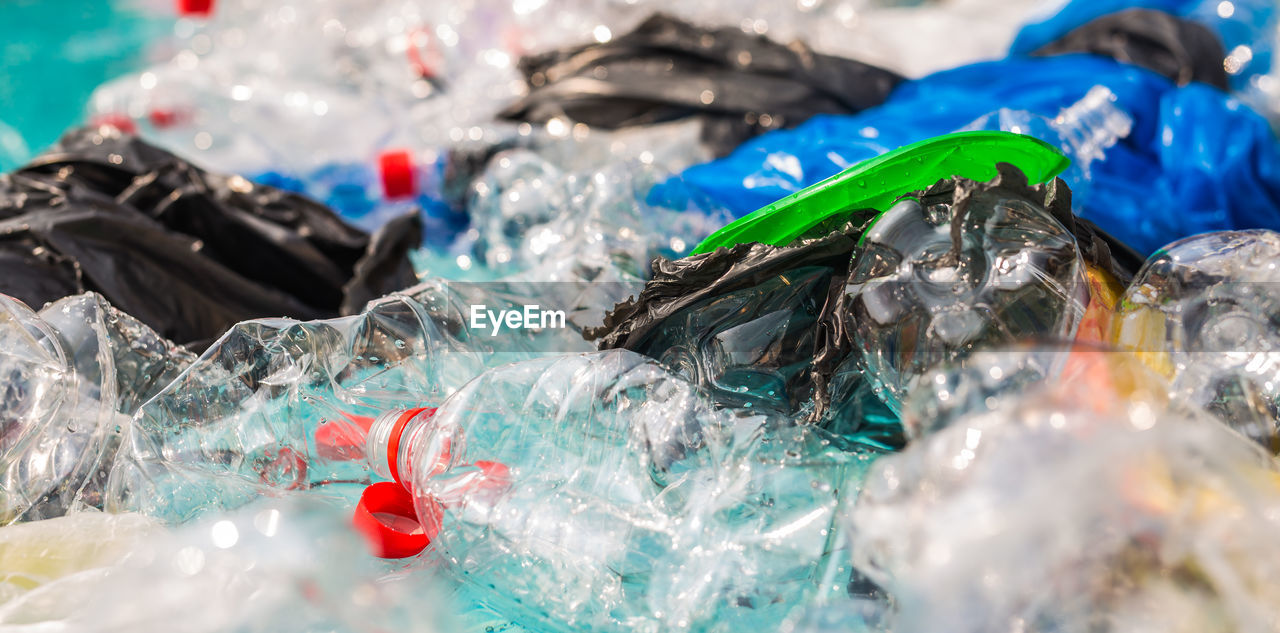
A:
{"x": 1194, "y": 160}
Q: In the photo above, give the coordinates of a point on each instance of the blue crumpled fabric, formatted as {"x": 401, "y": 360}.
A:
{"x": 1248, "y": 23}
{"x": 1196, "y": 159}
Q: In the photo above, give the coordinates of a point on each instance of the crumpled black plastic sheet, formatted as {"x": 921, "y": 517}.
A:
{"x": 766, "y": 325}
{"x": 667, "y": 69}
{"x": 1179, "y": 49}
{"x": 187, "y": 252}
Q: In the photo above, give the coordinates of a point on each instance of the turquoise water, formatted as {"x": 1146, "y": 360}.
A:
{"x": 53, "y": 53}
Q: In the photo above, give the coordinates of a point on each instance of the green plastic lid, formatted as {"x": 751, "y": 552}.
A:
{"x": 877, "y": 182}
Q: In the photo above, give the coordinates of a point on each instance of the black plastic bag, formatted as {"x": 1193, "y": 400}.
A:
{"x": 187, "y": 252}
{"x": 667, "y": 69}
{"x": 767, "y": 325}
{"x": 1179, "y": 49}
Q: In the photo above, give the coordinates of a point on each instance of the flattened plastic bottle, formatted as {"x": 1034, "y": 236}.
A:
{"x": 74, "y": 373}
{"x": 601, "y": 492}
{"x": 276, "y": 405}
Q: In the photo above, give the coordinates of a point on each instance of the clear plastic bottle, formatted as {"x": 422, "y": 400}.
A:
{"x": 956, "y": 270}
{"x": 1204, "y": 311}
{"x": 1085, "y": 130}
{"x": 278, "y": 405}
{"x": 601, "y": 492}
{"x": 74, "y": 374}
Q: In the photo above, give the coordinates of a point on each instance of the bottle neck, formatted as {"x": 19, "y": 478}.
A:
{"x": 1092, "y": 125}
{"x": 390, "y": 436}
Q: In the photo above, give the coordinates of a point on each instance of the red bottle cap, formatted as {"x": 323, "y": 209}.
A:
{"x": 164, "y": 118}
{"x": 423, "y": 53}
{"x": 343, "y": 440}
{"x": 195, "y": 8}
{"x": 386, "y": 517}
{"x": 397, "y": 169}
{"x": 116, "y": 120}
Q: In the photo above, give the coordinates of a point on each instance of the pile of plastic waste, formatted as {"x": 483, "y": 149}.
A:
{"x": 641, "y": 316}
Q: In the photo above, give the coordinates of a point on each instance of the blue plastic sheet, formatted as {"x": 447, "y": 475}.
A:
{"x": 1195, "y": 160}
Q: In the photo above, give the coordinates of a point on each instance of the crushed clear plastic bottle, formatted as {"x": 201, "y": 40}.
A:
{"x": 1204, "y": 311}
{"x": 1084, "y": 131}
{"x": 74, "y": 373}
{"x": 601, "y": 492}
{"x": 957, "y": 269}
{"x": 250, "y": 416}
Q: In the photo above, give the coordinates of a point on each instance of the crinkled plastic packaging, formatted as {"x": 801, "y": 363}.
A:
{"x": 1077, "y": 505}
{"x": 276, "y": 566}
{"x": 41, "y": 552}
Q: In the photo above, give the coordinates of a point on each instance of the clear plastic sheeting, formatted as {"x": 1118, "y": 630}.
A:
{"x": 601, "y": 492}
{"x": 1204, "y": 311}
{"x": 40, "y": 552}
{"x": 74, "y": 373}
{"x": 290, "y": 567}
{"x": 252, "y": 415}
{"x": 1084, "y": 505}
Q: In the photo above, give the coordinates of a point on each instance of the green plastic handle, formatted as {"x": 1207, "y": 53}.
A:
{"x": 876, "y": 183}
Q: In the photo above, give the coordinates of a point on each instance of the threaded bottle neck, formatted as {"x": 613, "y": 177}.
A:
{"x": 1092, "y": 125}
{"x": 389, "y": 438}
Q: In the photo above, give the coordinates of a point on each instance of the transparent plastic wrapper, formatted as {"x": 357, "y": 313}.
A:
{"x": 940, "y": 34}
{"x": 273, "y": 567}
{"x": 1204, "y": 311}
{"x": 1084, "y": 504}
{"x": 1190, "y": 149}
{"x": 601, "y": 492}
{"x": 277, "y": 406}
{"x": 40, "y": 552}
{"x": 74, "y": 373}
